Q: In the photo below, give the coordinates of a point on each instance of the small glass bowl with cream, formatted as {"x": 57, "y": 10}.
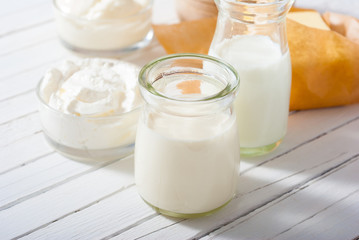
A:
{"x": 89, "y": 109}
{"x": 104, "y": 27}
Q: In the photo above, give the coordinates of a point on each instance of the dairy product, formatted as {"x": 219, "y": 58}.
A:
{"x": 309, "y": 18}
{"x": 187, "y": 165}
{"x": 92, "y": 87}
{"x": 262, "y": 104}
{"x": 89, "y": 104}
{"x": 103, "y": 24}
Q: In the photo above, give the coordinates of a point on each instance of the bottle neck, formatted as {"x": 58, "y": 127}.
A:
{"x": 256, "y": 12}
{"x": 252, "y": 17}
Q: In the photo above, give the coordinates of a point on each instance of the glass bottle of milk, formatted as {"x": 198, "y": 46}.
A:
{"x": 251, "y": 35}
{"x": 186, "y": 151}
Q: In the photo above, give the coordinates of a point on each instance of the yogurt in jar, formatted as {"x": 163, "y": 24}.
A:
{"x": 262, "y": 104}
{"x": 183, "y": 167}
{"x": 187, "y": 149}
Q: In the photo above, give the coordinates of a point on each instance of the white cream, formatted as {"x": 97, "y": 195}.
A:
{"x": 185, "y": 167}
{"x": 103, "y": 24}
{"x": 262, "y": 104}
{"x": 91, "y": 87}
{"x": 88, "y": 104}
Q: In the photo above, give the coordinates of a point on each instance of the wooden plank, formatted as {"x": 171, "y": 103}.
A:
{"x": 25, "y": 18}
{"x": 307, "y": 213}
{"x": 338, "y": 221}
{"x": 15, "y": 108}
{"x": 66, "y": 199}
{"x": 266, "y": 183}
{"x": 32, "y": 57}
{"x": 26, "y": 149}
{"x": 21, "y": 84}
{"x": 16, "y": 130}
{"x": 39, "y": 34}
{"x": 142, "y": 229}
{"x": 121, "y": 209}
{"x": 37, "y": 176}
{"x": 306, "y": 126}
{"x": 18, "y": 5}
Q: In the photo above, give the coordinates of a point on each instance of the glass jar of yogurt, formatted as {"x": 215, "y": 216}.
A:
{"x": 103, "y": 27}
{"x": 186, "y": 152}
{"x": 251, "y": 35}
{"x": 89, "y": 108}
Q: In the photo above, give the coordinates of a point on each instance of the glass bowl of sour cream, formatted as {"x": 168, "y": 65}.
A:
{"x": 89, "y": 109}
{"x": 104, "y": 27}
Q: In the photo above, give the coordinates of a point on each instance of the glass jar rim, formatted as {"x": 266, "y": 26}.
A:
{"x": 253, "y": 12}
{"x": 254, "y": 3}
{"x": 228, "y": 89}
{"x": 79, "y": 18}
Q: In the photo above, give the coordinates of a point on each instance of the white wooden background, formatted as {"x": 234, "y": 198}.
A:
{"x": 307, "y": 189}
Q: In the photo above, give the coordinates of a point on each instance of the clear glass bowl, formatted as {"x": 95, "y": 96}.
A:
{"x": 89, "y": 138}
{"x": 104, "y": 37}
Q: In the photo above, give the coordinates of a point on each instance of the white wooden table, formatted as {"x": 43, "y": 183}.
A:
{"x": 307, "y": 189}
